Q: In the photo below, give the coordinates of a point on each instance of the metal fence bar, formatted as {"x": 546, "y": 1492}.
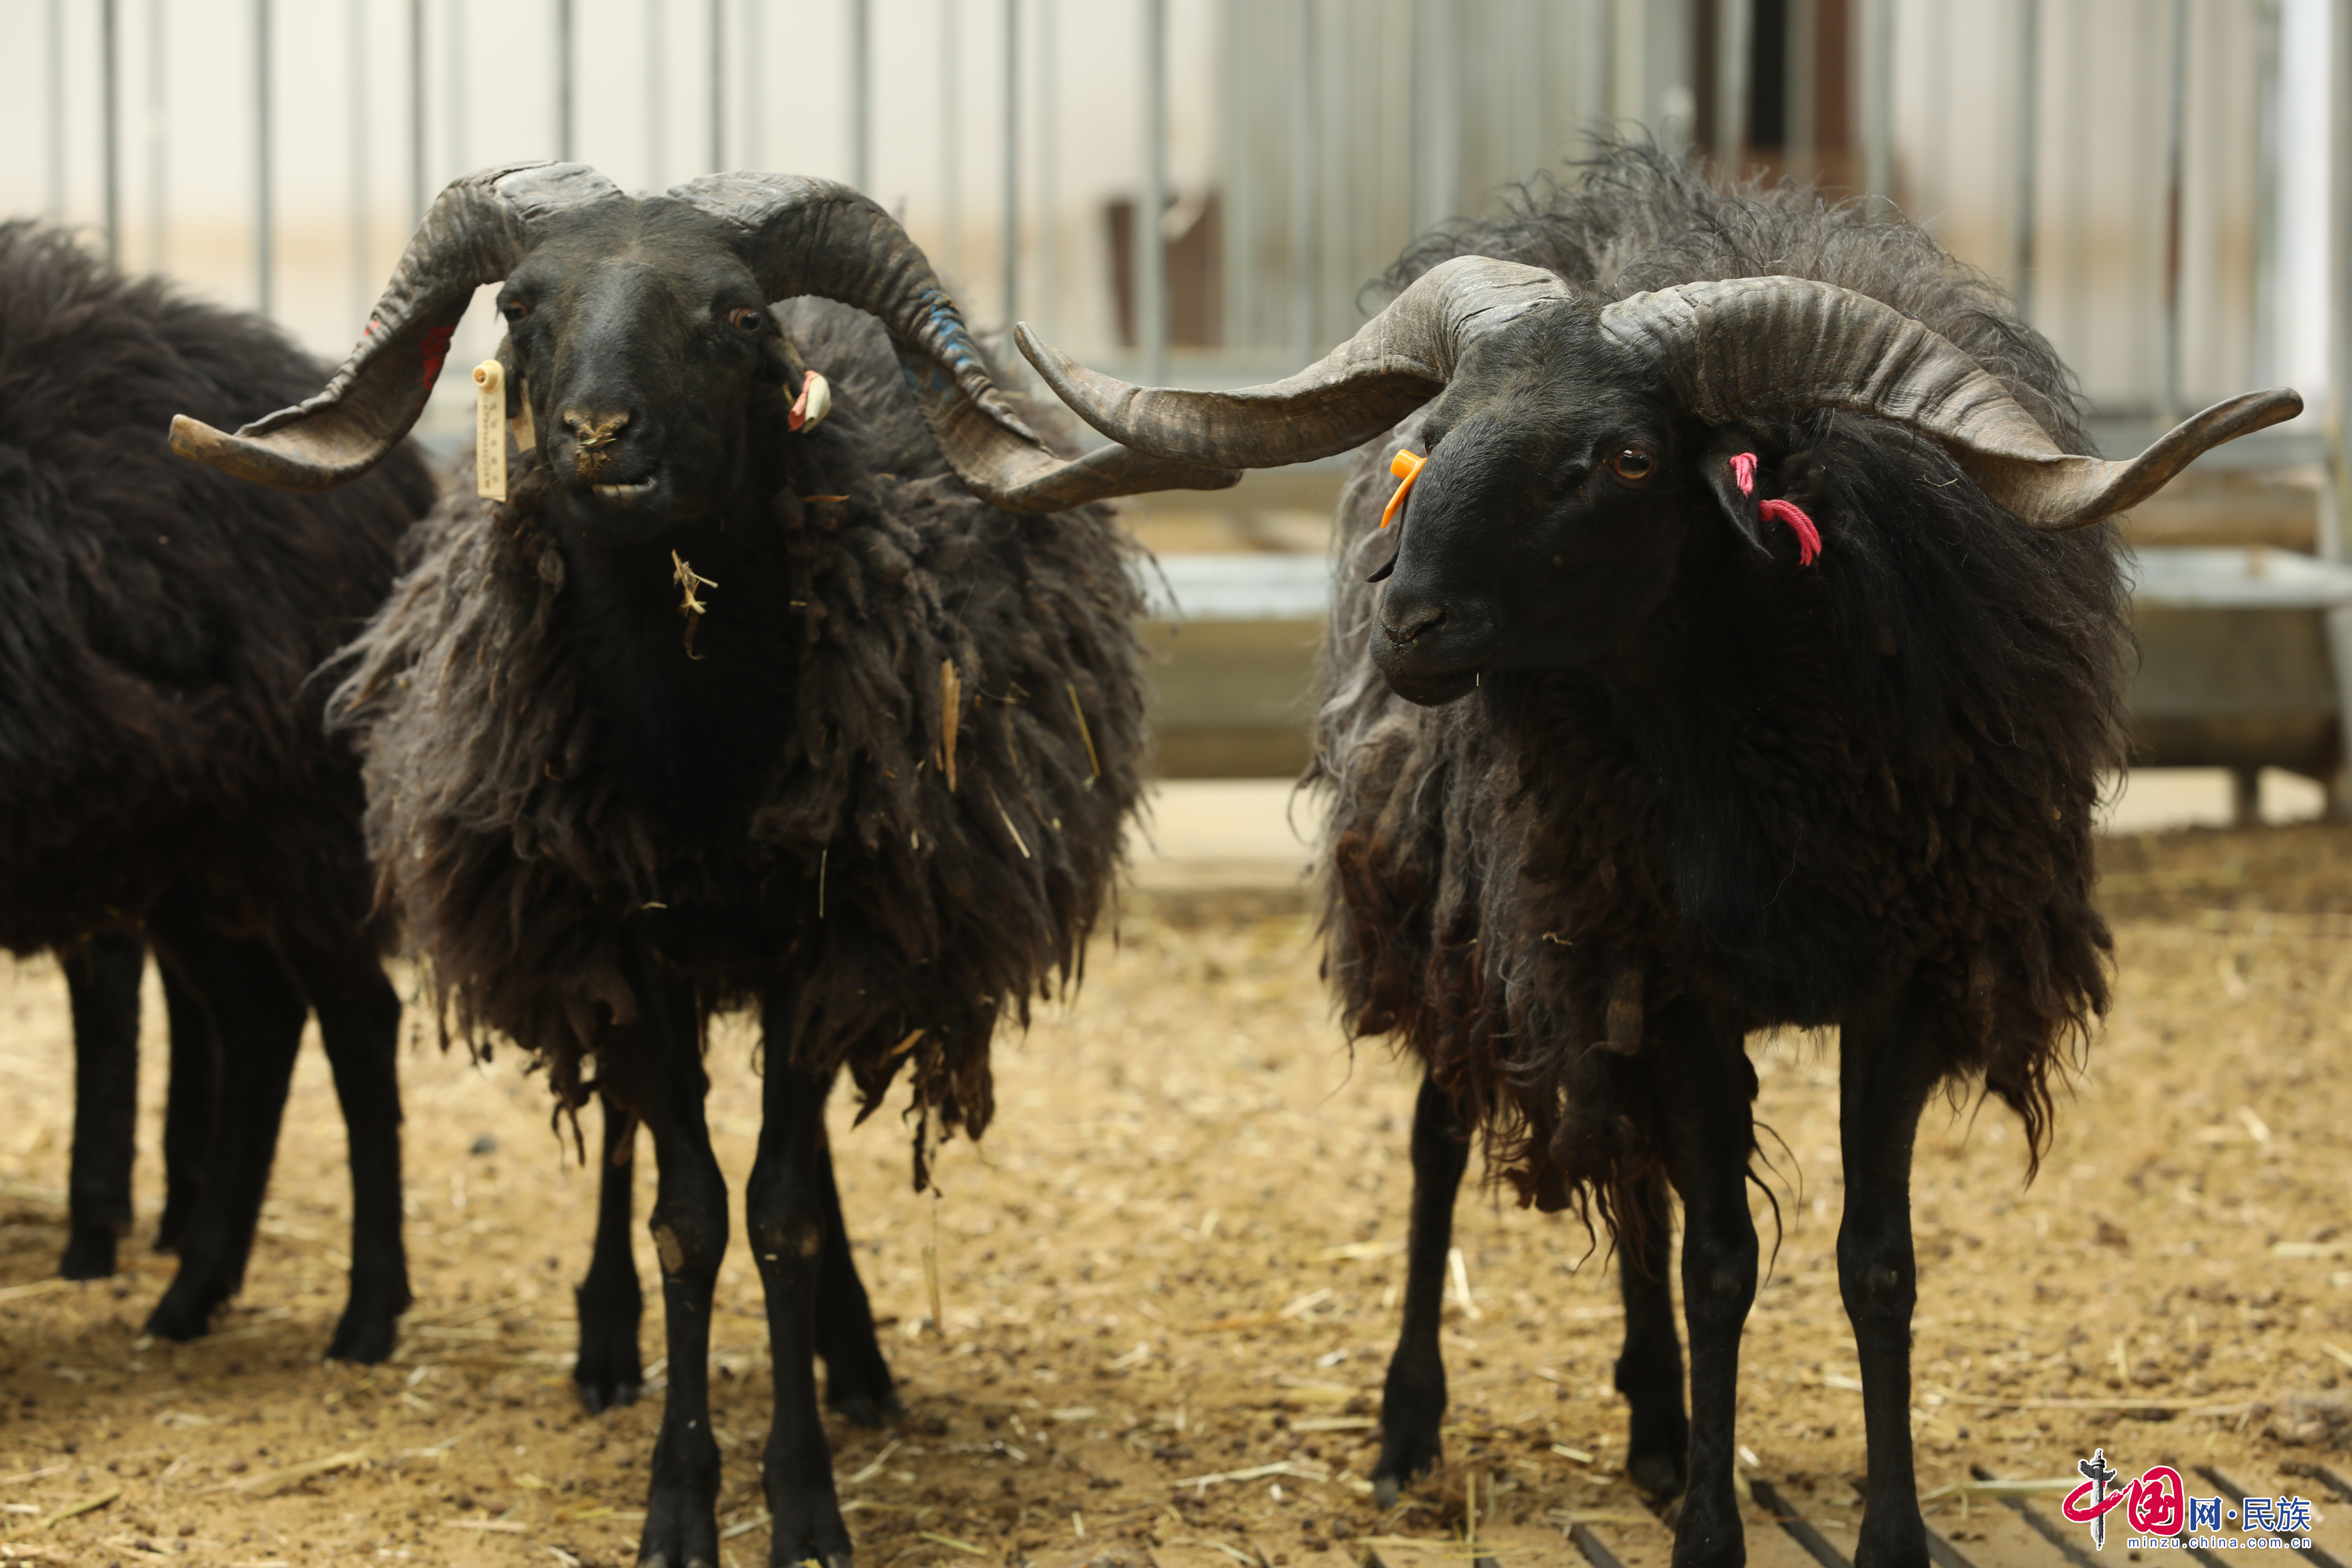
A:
{"x": 749, "y": 155}
{"x": 717, "y": 87}
{"x": 1010, "y": 240}
{"x": 415, "y": 109}
{"x": 2029, "y": 153}
{"x": 1047, "y": 294}
{"x": 357, "y": 169}
{"x": 264, "y": 219}
{"x": 1878, "y": 104}
{"x": 565, "y": 79}
{"x": 55, "y": 36}
{"x": 656, "y": 96}
{"x": 1149, "y": 249}
{"x": 2176, "y": 118}
{"x": 110, "y": 133}
{"x": 861, "y": 93}
{"x": 951, "y": 256}
{"x": 1732, "y": 57}
{"x": 1306, "y": 155}
{"x": 159, "y": 188}
{"x": 2271, "y": 151}
{"x": 454, "y": 120}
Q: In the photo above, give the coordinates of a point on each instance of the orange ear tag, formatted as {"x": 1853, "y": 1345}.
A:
{"x": 1407, "y": 467}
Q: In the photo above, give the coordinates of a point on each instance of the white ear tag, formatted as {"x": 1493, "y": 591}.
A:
{"x": 813, "y": 404}
{"x": 490, "y": 430}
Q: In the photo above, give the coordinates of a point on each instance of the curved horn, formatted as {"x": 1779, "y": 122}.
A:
{"x": 815, "y": 237}
{"x": 1395, "y": 363}
{"x": 1779, "y": 345}
{"x": 476, "y": 231}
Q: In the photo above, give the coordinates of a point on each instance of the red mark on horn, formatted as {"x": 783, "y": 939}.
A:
{"x": 1743, "y": 472}
{"x": 1809, "y": 538}
{"x": 1407, "y": 467}
{"x": 437, "y": 349}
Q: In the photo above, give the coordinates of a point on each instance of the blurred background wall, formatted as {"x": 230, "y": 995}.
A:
{"x": 2161, "y": 183}
{"x": 2150, "y": 177}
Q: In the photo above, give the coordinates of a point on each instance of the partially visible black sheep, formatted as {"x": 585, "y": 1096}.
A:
{"x": 724, "y": 710}
{"x": 1749, "y": 653}
{"x": 103, "y": 976}
{"x": 162, "y": 762}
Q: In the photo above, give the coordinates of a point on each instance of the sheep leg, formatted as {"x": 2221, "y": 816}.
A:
{"x": 1650, "y": 1366}
{"x": 858, "y": 1380}
{"x": 784, "y": 1208}
{"x": 191, "y": 1107}
{"x": 1884, "y": 1080}
{"x": 610, "y": 1303}
{"x": 257, "y": 1014}
{"x": 1710, "y": 1133}
{"x": 690, "y": 1230}
{"x": 359, "y": 1025}
{"x": 1413, "y": 1400}
{"x": 102, "y": 989}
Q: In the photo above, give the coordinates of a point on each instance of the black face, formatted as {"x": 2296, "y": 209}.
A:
{"x": 642, "y": 342}
{"x": 1548, "y": 524}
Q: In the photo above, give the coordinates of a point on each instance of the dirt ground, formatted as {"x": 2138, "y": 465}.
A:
{"x": 1176, "y": 1258}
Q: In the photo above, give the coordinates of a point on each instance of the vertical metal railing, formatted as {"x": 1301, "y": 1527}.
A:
{"x": 717, "y": 87}
{"x": 416, "y": 163}
{"x": 656, "y": 96}
{"x": 1149, "y": 246}
{"x": 2176, "y": 125}
{"x": 1733, "y": 51}
{"x": 567, "y": 48}
{"x": 159, "y": 139}
{"x": 265, "y": 231}
{"x": 110, "y": 136}
{"x": 1009, "y": 235}
{"x": 1306, "y": 220}
{"x": 1878, "y": 101}
{"x": 861, "y": 94}
{"x": 2028, "y": 169}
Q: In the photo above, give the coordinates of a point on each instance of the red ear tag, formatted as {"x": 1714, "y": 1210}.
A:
{"x": 1809, "y": 538}
{"x": 1407, "y": 467}
{"x": 1743, "y": 472}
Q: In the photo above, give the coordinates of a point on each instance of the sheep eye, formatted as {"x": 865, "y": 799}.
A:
{"x": 1632, "y": 465}
{"x": 514, "y": 311}
{"x": 745, "y": 317}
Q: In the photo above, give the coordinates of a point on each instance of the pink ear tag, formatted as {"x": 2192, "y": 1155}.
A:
{"x": 1809, "y": 538}
{"x": 1743, "y": 472}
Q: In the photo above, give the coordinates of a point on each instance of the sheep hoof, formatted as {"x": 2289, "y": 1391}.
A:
{"x": 1406, "y": 1452}
{"x": 608, "y": 1374}
{"x": 861, "y": 1409}
{"x": 186, "y": 1312}
{"x": 365, "y": 1336}
{"x": 88, "y": 1255}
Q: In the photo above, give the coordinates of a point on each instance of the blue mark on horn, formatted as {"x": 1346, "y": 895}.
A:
{"x": 947, "y": 329}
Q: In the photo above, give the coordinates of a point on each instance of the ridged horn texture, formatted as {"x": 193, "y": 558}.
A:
{"x": 1395, "y": 363}
{"x": 816, "y": 236}
{"x": 477, "y": 231}
{"x": 1779, "y": 345}
{"x": 803, "y": 236}
{"x": 1731, "y": 351}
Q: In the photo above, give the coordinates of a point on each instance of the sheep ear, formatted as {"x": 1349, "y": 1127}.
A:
{"x": 1727, "y": 466}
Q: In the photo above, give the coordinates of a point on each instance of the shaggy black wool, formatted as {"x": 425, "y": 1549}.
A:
{"x": 1798, "y": 785}
{"x": 160, "y": 621}
{"x": 784, "y": 821}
